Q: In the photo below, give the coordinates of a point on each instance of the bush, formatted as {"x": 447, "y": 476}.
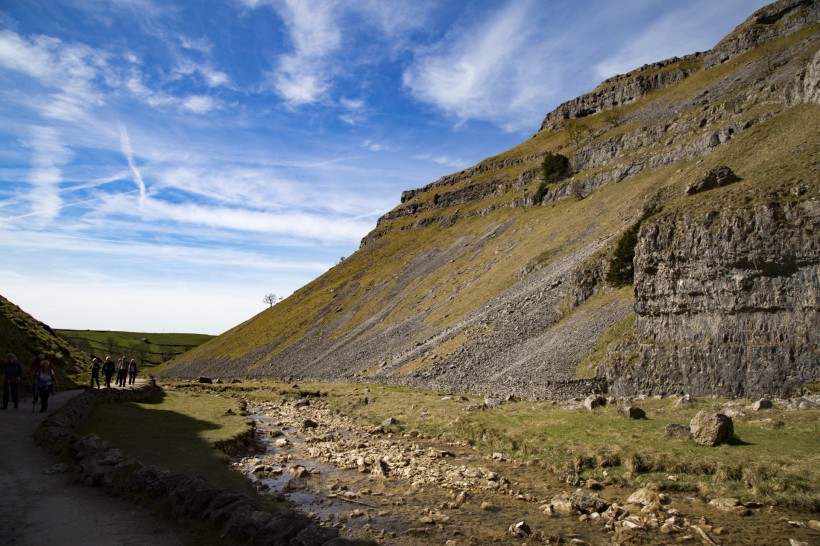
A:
{"x": 621, "y": 266}
{"x": 555, "y": 167}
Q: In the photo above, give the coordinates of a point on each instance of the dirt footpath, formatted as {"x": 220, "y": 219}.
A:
{"x": 41, "y": 504}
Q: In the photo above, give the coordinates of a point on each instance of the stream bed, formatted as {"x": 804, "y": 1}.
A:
{"x": 404, "y": 489}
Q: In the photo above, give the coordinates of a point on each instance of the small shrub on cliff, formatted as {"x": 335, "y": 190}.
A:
{"x": 555, "y": 167}
{"x": 621, "y": 266}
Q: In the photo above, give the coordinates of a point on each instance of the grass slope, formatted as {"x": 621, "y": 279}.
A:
{"x": 25, "y": 336}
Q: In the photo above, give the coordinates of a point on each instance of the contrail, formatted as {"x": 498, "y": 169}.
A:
{"x": 125, "y": 146}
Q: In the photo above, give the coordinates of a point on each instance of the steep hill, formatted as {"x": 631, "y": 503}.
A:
{"x": 26, "y": 337}
{"x": 492, "y": 280}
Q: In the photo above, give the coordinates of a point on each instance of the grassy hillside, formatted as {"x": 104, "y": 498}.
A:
{"x": 441, "y": 272}
{"x": 149, "y": 349}
{"x": 26, "y": 337}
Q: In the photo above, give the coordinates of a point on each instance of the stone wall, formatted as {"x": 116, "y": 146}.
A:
{"x": 229, "y": 513}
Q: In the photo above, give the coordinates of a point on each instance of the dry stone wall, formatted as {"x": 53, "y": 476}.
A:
{"x": 229, "y": 513}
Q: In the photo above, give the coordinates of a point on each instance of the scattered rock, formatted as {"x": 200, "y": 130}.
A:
{"x": 730, "y": 504}
{"x": 763, "y": 403}
{"x": 205, "y": 380}
{"x": 632, "y": 412}
{"x": 711, "y": 429}
{"x": 644, "y": 497}
{"x": 520, "y": 529}
{"x": 675, "y": 430}
{"x": 593, "y": 401}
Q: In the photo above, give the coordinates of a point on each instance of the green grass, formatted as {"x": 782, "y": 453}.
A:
{"x": 149, "y": 349}
{"x": 177, "y": 431}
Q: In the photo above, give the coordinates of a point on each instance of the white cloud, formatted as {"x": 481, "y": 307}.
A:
{"x": 374, "y": 146}
{"x": 303, "y": 75}
{"x": 69, "y": 69}
{"x": 485, "y": 71}
{"x": 48, "y": 154}
{"x": 199, "y": 104}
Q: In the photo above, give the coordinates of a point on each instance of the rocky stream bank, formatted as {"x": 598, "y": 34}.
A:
{"x": 400, "y": 487}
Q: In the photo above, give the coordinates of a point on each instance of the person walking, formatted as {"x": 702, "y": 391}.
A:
{"x": 12, "y": 374}
{"x": 95, "y": 372}
{"x": 122, "y": 371}
{"x": 32, "y": 373}
{"x": 46, "y": 383}
{"x": 132, "y": 371}
{"x": 108, "y": 371}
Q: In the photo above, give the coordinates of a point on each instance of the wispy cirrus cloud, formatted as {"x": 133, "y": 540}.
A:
{"x": 48, "y": 154}
{"x": 128, "y": 152}
{"x": 484, "y": 69}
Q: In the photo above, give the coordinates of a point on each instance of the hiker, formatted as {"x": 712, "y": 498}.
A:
{"x": 12, "y": 374}
{"x": 32, "y": 372}
{"x": 108, "y": 371}
{"x": 122, "y": 371}
{"x": 46, "y": 383}
{"x": 95, "y": 372}
{"x": 132, "y": 371}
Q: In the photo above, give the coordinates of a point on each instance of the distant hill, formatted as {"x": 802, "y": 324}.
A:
{"x": 149, "y": 349}
{"x": 25, "y": 336}
{"x": 674, "y": 249}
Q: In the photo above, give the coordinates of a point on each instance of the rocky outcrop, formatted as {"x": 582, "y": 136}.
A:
{"x": 622, "y": 90}
{"x": 727, "y": 303}
{"x": 766, "y": 24}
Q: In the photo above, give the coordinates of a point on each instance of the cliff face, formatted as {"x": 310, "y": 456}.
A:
{"x": 726, "y": 302}
{"x": 490, "y": 280}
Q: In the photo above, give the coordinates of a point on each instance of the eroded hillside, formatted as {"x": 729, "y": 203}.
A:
{"x": 492, "y": 280}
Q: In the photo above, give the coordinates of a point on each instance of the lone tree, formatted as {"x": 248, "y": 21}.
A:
{"x": 576, "y": 130}
{"x": 270, "y": 299}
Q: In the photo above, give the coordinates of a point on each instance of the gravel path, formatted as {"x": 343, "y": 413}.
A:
{"x": 42, "y": 505}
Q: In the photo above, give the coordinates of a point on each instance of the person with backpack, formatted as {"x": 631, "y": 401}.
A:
{"x": 46, "y": 382}
{"x": 12, "y": 374}
{"x": 108, "y": 371}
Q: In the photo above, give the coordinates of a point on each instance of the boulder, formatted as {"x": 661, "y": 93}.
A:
{"x": 632, "y": 412}
{"x": 206, "y": 380}
{"x": 675, "y": 430}
{"x": 763, "y": 403}
{"x": 711, "y": 429}
{"x": 593, "y": 401}
{"x": 520, "y": 529}
{"x": 716, "y": 178}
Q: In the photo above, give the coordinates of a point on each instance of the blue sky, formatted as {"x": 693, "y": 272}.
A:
{"x": 165, "y": 164}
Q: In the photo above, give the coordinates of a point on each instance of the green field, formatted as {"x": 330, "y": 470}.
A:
{"x": 148, "y": 349}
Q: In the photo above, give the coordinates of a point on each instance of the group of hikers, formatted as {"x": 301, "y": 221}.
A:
{"x": 42, "y": 375}
{"x": 44, "y": 380}
{"x": 126, "y": 371}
